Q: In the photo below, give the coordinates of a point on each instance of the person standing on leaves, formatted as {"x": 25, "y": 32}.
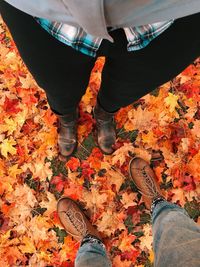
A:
{"x": 176, "y": 237}
{"x": 145, "y": 44}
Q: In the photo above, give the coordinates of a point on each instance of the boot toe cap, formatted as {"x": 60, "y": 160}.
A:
{"x": 67, "y": 147}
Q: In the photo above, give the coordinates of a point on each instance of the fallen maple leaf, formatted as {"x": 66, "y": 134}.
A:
{"x": 14, "y": 170}
{"x": 27, "y": 245}
{"x": 12, "y": 256}
{"x": 126, "y": 241}
{"x": 58, "y": 182}
{"x": 94, "y": 199}
{"x": 95, "y": 158}
{"x": 140, "y": 119}
{"x": 171, "y": 102}
{"x": 121, "y": 154}
{"x": 147, "y": 239}
{"x": 9, "y": 126}
{"x": 39, "y": 169}
{"x": 11, "y": 106}
{"x": 88, "y": 100}
{"x": 108, "y": 223}
{"x": 129, "y": 199}
{"x": 114, "y": 178}
{"x": 7, "y": 147}
{"x": 73, "y": 164}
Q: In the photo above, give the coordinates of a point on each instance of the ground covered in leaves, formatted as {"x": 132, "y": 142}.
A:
{"x": 163, "y": 128}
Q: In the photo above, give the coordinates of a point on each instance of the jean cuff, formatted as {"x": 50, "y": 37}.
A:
{"x": 164, "y": 206}
{"x": 92, "y": 239}
{"x": 155, "y": 202}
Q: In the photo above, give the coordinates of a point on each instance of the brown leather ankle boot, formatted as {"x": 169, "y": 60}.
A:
{"x": 144, "y": 178}
{"x": 67, "y": 133}
{"x": 74, "y": 220}
{"x": 106, "y": 134}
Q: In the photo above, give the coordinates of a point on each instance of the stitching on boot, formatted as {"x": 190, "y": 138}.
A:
{"x": 78, "y": 224}
{"x": 150, "y": 183}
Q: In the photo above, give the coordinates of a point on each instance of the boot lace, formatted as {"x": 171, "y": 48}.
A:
{"x": 149, "y": 183}
{"x": 77, "y": 220}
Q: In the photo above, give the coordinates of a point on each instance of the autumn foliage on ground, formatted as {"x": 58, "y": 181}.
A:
{"x": 163, "y": 128}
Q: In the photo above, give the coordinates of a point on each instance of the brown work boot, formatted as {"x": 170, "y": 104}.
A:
{"x": 145, "y": 180}
{"x": 74, "y": 220}
{"x": 105, "y": 126}
{"x": 67, "y": 133}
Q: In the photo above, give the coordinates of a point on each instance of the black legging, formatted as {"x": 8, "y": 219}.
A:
{"x": 64, "y": 73}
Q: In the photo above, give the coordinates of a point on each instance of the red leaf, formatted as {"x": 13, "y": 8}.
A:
{"x": 67, "y": 264}
{"x": 54, "y": 216}
{"x": 29, "y": 126}
{"x": 58, "y": 182}
{"x": 73, "y": 163}
{"x": 86, "y": 170}
{"x": 10, "y": 105}
{"x": 189, "y": 184}
{"x": 20, "y": 151}
{"x": 189, "y": 89}
{"x": 132, "y": 209}
{"x": 4, "y": 223}
{"x": 130, "y": 255}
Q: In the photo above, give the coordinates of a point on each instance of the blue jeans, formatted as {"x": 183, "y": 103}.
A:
{"x": 176, "y": 241}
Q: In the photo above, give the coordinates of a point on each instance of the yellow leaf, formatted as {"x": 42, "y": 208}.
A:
{"x": 171, "y": 101}
{"x": 37, "y": 228}
{"x": 178, "y": 195}
{"x": 142, "y": 153}
{"x": 27, "y": 245}
{"x": 113, "y": 177}
{"x": 39, "y": 169}
{"x": 94, "y": 199}
{"x": 87, "y": 99}
{"x": 44, "y": 256}
{"x": 7, "y": 147}
{"x": 150, "y": 139}
{"x": 146, "y": 240}
{"x": 140, "y": 119}
{"x": 21, "y": 117}
{"x": 128, "y": 199}
{"x": 24, "y": 200}
{"x": 5, "y": 187}
{"x": 13, "y": 171}
{"x": 27, "y": 82}
{"x": 109, "y": 222}
{"x": 120, "y": 154}
{"x": 10, "y": 61}
{"x": 151, "y": 256}
{"x": 49, "y": 203}
{"x": 48, "y": 139}
{"x": 9, "y": 126}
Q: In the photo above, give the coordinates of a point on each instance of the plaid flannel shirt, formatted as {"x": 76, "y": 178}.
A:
{"x": 137, "y": 37}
